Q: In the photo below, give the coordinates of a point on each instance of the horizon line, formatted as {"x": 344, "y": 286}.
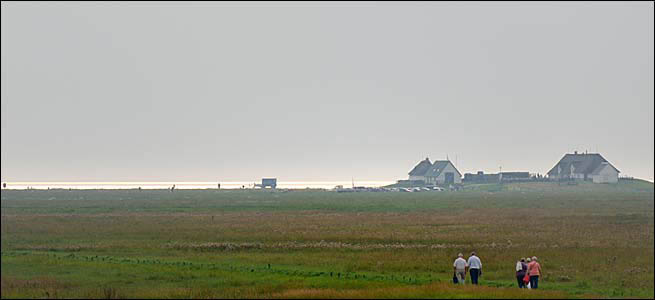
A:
{"x": 208, "y": 182}
{"x": 179, "y": 182}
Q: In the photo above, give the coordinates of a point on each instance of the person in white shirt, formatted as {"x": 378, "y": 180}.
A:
{"x": 475, "y": 267}
{"x": 460, "y": 267}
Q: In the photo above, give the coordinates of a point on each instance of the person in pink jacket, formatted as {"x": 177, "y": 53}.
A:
{"x": 534, "y": 271}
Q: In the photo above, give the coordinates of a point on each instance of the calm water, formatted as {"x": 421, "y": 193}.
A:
{"x": 189, "y": 185}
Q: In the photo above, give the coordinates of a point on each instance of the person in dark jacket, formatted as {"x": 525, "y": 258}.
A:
{"x": 521, "y": 269}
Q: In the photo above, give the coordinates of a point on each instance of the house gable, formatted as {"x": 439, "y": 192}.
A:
{"x": 439, "y": 166}
{"x": 602, "y": 166}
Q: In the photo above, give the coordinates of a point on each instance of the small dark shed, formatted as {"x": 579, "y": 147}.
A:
{"x": 269, "y": 182}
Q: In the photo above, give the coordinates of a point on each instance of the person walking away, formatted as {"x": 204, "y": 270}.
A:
{"x": 534, "y": 271}
{"x": 521, "y": 269}
{"x": 526, "y": 279}
{"x": 460, "y": 266}
{"x": 475, "y": 267}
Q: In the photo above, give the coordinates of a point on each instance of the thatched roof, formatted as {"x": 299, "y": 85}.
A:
{"x": 437, "y": 167}
{"x": 421, "y": 168}
{"x": 583, "y": 163}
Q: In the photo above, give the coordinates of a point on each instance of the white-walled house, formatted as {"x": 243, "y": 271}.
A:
{"x": 443, "y": 172}
{"x": 605, "y": 173}
{"x": 439, "y": 172}
{"x": 585, "y": 166}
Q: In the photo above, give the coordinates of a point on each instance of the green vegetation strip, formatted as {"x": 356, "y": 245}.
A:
{"x": 227, "y": 267}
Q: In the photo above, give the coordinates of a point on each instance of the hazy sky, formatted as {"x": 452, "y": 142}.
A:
{"x": 220, "y": 91}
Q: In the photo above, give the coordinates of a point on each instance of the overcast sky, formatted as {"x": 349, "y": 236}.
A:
{"x": 221, "y": 92}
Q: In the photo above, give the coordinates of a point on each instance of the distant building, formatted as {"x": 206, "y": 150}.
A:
{"x": 439, "y": 172}
{"x": 514, "y": 176}
{"x": 481, "y": 177}
{"x": 585, "y": 166}
{"x": 418, "y": 172}
{"x": 269, "y": 182}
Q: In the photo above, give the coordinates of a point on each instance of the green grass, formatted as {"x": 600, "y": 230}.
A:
{"x": 592, "y": 240}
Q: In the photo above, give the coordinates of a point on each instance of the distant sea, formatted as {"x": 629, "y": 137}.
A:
{"x": 187, "y": 185}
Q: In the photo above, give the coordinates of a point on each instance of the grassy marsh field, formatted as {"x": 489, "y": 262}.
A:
{"x": 593, "y": 240}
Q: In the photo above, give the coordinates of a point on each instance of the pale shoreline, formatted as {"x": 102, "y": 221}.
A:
{"x": 185, "y": 185}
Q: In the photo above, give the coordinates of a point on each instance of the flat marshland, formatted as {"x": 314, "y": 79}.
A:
{"x": 592, "y": 240}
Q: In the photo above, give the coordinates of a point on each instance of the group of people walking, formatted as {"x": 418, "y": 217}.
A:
{"x": 528, "y": 270}
{"x": 473, "y": 265}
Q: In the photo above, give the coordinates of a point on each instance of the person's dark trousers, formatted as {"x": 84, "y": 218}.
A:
{"x": 474, "y": 275}
{"x": 520, "y": 281}
{"x": 534, "y": 282}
